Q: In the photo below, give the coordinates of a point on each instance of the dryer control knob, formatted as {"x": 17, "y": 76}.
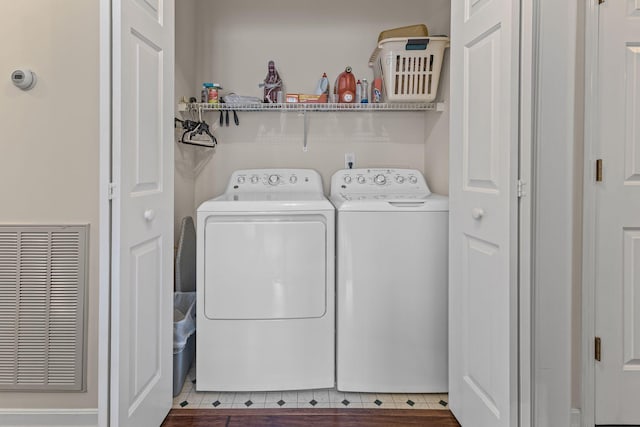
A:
{"x": 241, "y": 180}
{"x": 293, "y": 179}
{"x": 347, "y": 179}
{"x": 361, "y": 179}
{"x": 400, "y": 179}
{"x": 413, "y": 179}
{"x": 254, "y": 179}
{"x": 380, "y": 179}
{"x": 274, "y": 179}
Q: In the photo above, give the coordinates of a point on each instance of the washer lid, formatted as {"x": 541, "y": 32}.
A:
{"x": 390, "y": 203}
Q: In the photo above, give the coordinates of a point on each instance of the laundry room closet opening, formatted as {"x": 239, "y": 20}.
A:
{"x": 231, "y": 43}
{"x": 487, "y": 124}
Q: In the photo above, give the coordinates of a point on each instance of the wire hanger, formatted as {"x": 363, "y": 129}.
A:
{"x": 192, "y": 129}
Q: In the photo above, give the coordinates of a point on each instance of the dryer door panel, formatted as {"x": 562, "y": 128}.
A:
{"x": 265, "y": 267}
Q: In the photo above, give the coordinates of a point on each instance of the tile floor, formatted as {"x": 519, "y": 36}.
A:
{"x": 189, "y": 398}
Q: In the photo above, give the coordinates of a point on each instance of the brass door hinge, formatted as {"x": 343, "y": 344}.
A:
{"x": 600, "y": 1}
{"x": 599, "y": 170}
{"x": 598, "y": 349}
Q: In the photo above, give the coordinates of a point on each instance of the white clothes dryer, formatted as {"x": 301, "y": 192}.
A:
{"x": 391, "y": 251}
{"x": 266, "y": 284}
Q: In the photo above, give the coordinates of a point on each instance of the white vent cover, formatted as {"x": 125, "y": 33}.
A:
{"x": 42, "y": 293}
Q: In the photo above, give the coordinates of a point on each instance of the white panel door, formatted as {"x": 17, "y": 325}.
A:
{"x": 483, "y": 285}
{"x": 142, "y": 229}
{"x": 617, "y": 252}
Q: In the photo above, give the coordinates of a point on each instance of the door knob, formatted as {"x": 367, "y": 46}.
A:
{"x": 477, "y": 213}
{"x": 149, "y": 214}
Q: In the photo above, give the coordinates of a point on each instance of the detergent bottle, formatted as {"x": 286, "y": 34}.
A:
{"x": 323, "y": 85}
{"x": 345, "y": 88}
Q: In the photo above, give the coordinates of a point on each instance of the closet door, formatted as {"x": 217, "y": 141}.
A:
{"x": 483, "y": 288}
{"x": 616, "y": 258}
{"x": 142, "y": 224}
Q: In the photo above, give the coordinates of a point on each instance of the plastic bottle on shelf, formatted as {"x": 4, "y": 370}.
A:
{"x": 213, "y": 96}
{"x": 358, "y": 91}
{"x": 204, "y": 94}
{"x": 376, "y": 90}
{"x": 345, "y": 88}
{"x": 364, "y": 99}
{"x": 323, "y": 85}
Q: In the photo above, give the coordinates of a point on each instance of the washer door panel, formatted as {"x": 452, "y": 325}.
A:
{"x": 265, "y": 267}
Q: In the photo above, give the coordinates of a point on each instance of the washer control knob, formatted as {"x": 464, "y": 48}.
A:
{"x": 380, "y": 179}
{"x": 274, "y": 179}
{"x": 361, "y": 179}
{"x": 254, "y": 179}
{"x": 413, "y": 179}
{"x": 241, "y": 180}
{"x": 347, "y": 179}
{"x": 293, "y": 179}
{"x": 400, "y": 179}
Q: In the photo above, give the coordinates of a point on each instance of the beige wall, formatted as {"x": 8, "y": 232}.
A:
{"x": 436, "y": 151}
{"x": 185, "y": 54}
{"x": 237, "y": 39}
{"x": 49, "y": 160}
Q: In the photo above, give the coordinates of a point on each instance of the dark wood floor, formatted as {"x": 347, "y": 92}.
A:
{"x": 309, "y": 417}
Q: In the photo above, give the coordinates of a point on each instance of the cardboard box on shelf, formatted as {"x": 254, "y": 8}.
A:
{"x": 304, "y": 98}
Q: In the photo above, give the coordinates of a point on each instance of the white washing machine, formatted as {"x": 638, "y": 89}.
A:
{"x": 391, "y": 256}
{"x": 266, "y": 284}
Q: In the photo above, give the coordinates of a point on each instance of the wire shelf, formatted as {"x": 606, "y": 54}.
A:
{"x": 199, "y": 108}
{"x": 319, "y": 107}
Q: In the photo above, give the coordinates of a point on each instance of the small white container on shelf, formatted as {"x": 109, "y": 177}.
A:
{"x": 409, "y": 67}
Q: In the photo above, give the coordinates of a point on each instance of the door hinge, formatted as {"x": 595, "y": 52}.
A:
{"x": 601, "y": 1}
{"x": 599, "y": 170}
{"x": 111, "y": 191}
{"x": 598, "y": 348}
{"x": 520, "y": 188}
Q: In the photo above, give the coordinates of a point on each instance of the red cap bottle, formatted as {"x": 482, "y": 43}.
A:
{"x": 345, "y": 87}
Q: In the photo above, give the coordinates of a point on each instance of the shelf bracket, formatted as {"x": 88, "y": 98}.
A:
{"x": 305, "y": 117}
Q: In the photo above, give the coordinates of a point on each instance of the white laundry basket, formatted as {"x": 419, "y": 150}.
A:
{"x": 409, "y": 67}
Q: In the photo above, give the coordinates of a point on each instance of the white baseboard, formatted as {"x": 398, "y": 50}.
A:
{"x": 575, "y": 417}
{"x": 48, "y": 417}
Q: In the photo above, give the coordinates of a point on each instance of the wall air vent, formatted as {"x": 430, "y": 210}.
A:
{"x": 43, "y": 273}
